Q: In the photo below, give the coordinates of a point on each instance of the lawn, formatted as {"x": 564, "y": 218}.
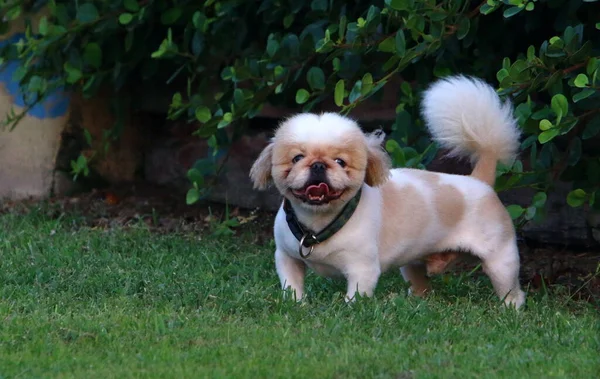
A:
{"x": 126, "y": 302}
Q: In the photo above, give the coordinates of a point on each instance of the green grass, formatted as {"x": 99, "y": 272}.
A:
{"x": 77, "y": 302}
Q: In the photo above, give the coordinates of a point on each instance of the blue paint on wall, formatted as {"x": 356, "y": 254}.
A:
{"x": 54, "y": 105}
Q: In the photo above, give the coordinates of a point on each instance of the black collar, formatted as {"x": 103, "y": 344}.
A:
{"x": 309, "y": 238}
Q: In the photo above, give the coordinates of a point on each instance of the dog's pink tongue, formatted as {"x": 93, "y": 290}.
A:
{"x": 320, "y": 190}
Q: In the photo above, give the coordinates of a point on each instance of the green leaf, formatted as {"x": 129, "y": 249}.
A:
{"x": 509, "y": 12}
{"x": 581, "y": 81}
{"x": 302, "y": 96}
{"x": 560, "y": 106}
{"x": 463, "y": 28}
{"x": 171, "y": 15}
{"x": 272, "y": 46}
{"x": 197, "y": 43}
{"x": 87, "y": 12}
{"x": 195, "y": 176}
{"x": 530, "y": 6}
{"x": 36, "y": 84}
{"x": 131, "y": 5}
{"x": 288, "y": 20}
{"x": 530, "y": 213}
{"x": 238, "y": 96}
{"x": 73, "y": 73}
{"x": 592, "y": 65}
{"x": 356, "y": 92}
{"x": 576, "y": 198}
{"x": 203, "y": 114}
{"x": 545, "y": 125}
{"x": 339, "y": 93}
{"x": 583, "y": 94}
{"x": 177, "y": 100}
{"x": 531, "y": 53}
{"x": 547, "y": 136}
{"x": 199, "y": 20}
{"x": 388, "y": 45}
{"x": 502, "y": 74}
{"x": 316, "y": 78}
{"x": 515, "y": 211}
{"x": 487, "y": 9}
{"x": 43, "y": 26}
{"x": 396, "y": 152}
{"x": 399, "y": 5}
{"x": 319, "y": 5}
{"x": 125, "y": 18}
{"x": 592, "y": 128}
{"x": 367, "y": 83}
{"x": 400, "y": 43}
{"x": 193, "y": 195}
{"x": 539, "y": 199}
{"x": 88, "y": 137}
{"x": 92, "y": 55}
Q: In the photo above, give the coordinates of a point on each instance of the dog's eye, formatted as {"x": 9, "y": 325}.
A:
{"x": 340, "y": 162}
{"x": 297, "y": 158}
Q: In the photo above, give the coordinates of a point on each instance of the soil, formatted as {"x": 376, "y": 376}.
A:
{"x": 543, "y": 268}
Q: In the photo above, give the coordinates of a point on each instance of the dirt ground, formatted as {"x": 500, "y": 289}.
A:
{"x": 543, "y": 268}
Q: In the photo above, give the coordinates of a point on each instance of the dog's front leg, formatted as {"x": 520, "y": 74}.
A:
{"x": 291, "y": 273}
{"x": 362, "y": 280}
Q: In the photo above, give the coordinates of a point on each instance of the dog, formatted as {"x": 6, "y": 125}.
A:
{"x": 347, "y": 213}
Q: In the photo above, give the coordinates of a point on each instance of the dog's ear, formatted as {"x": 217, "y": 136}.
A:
{"x": 378, "y": 160}
{"x": 260, "y": 173}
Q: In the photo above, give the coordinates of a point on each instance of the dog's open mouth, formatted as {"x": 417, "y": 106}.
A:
{"x": 317, "y": 194}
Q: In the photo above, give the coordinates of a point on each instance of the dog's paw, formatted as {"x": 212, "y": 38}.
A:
{"x": 515, "y": 300}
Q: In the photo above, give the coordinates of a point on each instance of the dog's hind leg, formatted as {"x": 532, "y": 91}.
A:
{"x": 500, "y": 261}
{"x": 502, "y": 267}
{"x": 416, "y": 275}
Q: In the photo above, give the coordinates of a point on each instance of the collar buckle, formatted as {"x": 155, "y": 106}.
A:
{"x": 311, "y": 241}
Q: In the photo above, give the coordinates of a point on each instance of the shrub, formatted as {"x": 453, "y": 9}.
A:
{"x": 223, "y": 60}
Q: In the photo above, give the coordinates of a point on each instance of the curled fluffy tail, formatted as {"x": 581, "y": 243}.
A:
{"x": 466, "y": 116}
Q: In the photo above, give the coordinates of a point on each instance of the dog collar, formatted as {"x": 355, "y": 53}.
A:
{"x": 306, "y": 237}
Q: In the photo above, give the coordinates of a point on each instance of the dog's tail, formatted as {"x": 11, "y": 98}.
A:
{"x": 466, "y": 116}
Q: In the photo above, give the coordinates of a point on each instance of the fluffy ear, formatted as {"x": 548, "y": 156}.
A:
{"x": 260, "y": 173}
{"x": 378, "y": 161}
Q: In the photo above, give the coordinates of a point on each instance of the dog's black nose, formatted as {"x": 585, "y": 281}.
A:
{"x": 318, "y": 167}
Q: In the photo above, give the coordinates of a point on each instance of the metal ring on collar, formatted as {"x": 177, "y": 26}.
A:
{"x": 310, "y": 248}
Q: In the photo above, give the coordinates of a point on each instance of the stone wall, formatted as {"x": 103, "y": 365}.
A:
{"x": 169, "y": 157}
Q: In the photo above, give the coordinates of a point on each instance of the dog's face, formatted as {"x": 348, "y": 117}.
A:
{"x": 320, "y": 161}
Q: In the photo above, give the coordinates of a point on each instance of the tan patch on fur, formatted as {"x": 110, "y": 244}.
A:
{"x": 485, "y": 169}
{"x": 403, "y": 214}
{"x": 491, "y": 207}
{"x": 449, "y": 204}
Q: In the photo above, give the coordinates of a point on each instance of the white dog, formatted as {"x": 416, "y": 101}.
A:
{"x": 345, "y": 212}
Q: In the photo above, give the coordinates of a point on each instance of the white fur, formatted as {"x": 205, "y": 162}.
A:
{"x": 319, "y": 128}
{"x": 466, "y": 116}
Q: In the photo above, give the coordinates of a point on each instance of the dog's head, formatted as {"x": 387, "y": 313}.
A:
{"x": 320, "y": 161}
